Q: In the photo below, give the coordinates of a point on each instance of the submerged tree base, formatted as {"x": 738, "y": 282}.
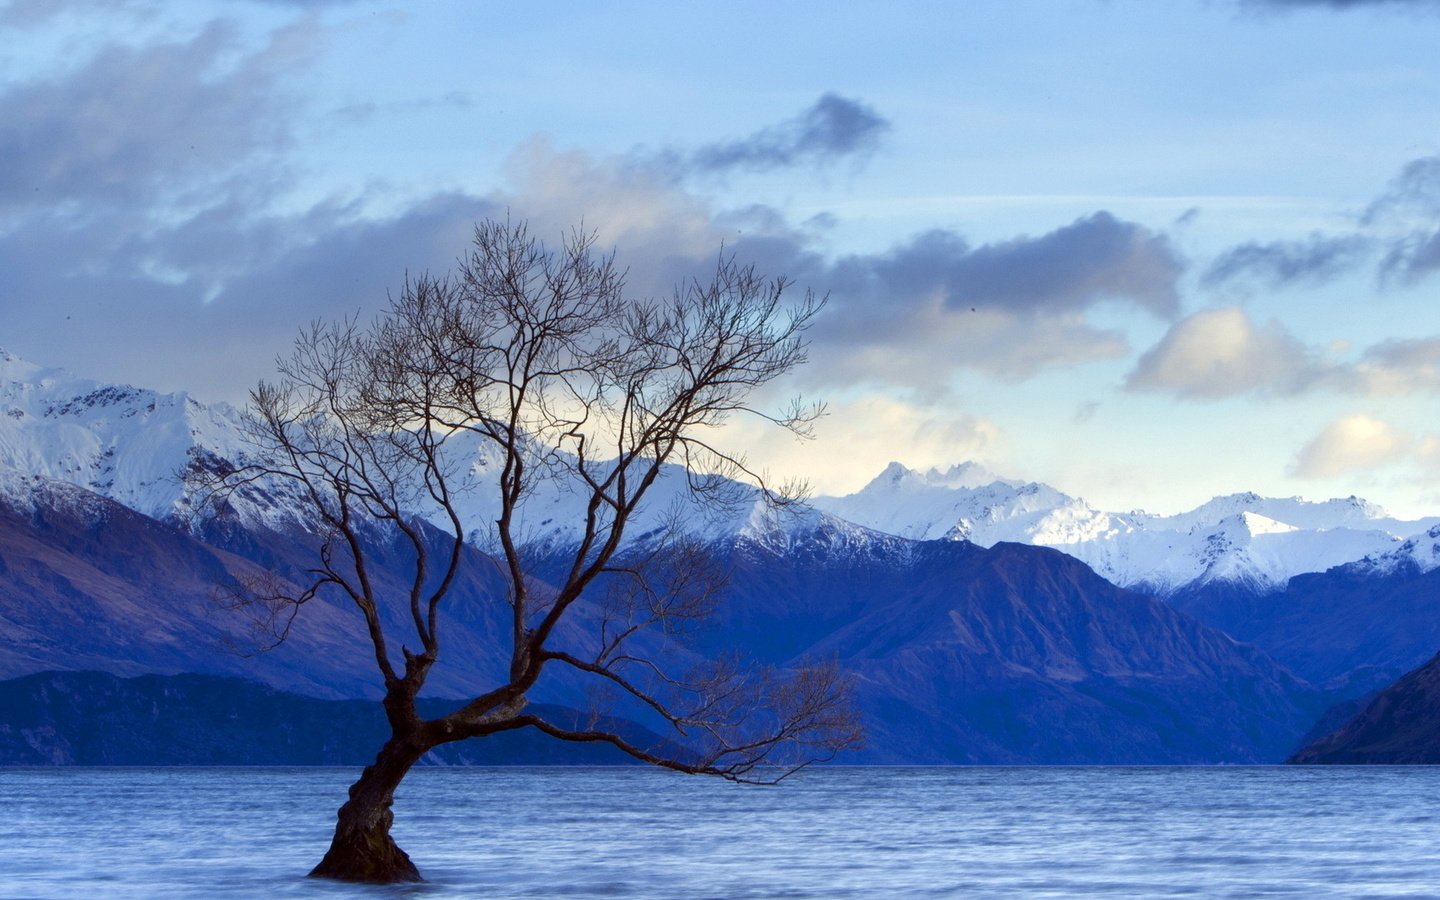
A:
{"x": 372, "y": 859}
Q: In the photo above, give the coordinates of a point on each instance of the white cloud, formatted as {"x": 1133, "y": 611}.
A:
{"x": 1352, "y": 444}
{"x": 636, "y": 209}
{"x": 1222, "y": 353}
{"x": 871, "y": 430}
{"x": 1400, "y": 367}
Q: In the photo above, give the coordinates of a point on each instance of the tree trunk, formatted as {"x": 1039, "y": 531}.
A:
{"x": 362, "y": 849}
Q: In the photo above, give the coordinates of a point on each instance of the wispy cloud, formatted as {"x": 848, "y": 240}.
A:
{"x": 30, "y": 13}
{"x": 834, "y": 128}
{"x": 1400, "y": 366}
{"x": 1411, "y": 204}
{"x": 1400, "y": 228}
{"x": 1412, "y": 258}
{"x": 1415, "y": 191}
{"x": 1316, "y": 260}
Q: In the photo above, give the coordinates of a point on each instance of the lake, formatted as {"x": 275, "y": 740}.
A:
{"x": 828, "y": 833}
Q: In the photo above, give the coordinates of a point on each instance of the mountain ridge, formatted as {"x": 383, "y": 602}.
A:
{"x": 132, "y": 444}
{"x": 1244, "y": 538}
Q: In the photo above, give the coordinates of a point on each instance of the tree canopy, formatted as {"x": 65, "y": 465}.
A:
{"x": 539, "y": 357}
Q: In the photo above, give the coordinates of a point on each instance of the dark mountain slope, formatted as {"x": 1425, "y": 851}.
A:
{"x": 1400, "y": 725}
{"x": 1013, "y": 654}
{"x": 97, "y": 719}
{"x": 1351, "y": 629}
{"x": 88, "y": 584}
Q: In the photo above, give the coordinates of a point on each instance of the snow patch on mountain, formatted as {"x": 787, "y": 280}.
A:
{"x": 1420, "y": 553}
{"x": 29, "y": 494}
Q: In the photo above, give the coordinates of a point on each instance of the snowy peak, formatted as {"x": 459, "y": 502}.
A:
{"x": 1244, "y": 538}
{"x": 13, "y": 369}
{"x": 125, "y": 443}
{"x": 1348, "y": 512}
{"x": 131, "y": 445}
{"x": 897, "y": 477}
{"x": 1251, "y": 524}
{"x": 968, "y": 502}
{"x": 1419, "y": 553}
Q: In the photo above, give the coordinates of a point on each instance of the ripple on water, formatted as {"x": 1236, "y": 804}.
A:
{"x": 830, "y": 833}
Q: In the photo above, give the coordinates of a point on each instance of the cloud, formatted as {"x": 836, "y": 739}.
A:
{"x": 1411, "y": 205}
{"x": 1351, "y": 444}
{"x": 1412, "y": 258}
{"x": 1222, "y": 353}
{"x": 145, "y": 204}
{"x": 927, "y": 347}
{"x": 1415, "y": 191}
{"x": 1315, "y": 260}
{"x": 1401, "y": 226}
{"x": 1401, "y": 223}
{"x": 233, "y": 293}
{"x": 30, "y": 13}
{"x": 873, "y": 428}
{"x": 1399, "y": 367}
{"x": 1095, "y": 258}
{"x": 833, "y": 128}
{"x": 907, "y": 317}
{"x": 165, "y": 124}
{"x": 934, "y": 304}
{"x": 641, "y": 210}
{"x": 138, "y": 222}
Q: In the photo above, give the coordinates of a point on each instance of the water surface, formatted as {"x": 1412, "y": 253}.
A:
{"x": 830, "y": 833}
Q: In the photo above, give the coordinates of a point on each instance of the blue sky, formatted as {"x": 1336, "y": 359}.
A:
{"x": 1145, "y": 251}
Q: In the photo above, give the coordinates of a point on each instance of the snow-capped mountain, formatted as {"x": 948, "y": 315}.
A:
{"x": 968, "y": 502}
{"x": 1247, "y": 539}
{"x": 130, "y": 444}
{"x": 125, "y": 443}
{"x": 1420, "y": 553}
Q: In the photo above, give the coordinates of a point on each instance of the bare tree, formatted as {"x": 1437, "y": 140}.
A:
{"x": 539, "y": 354}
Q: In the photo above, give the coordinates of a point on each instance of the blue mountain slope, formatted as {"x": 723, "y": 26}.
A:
{"x": 961, "y": 654}
{"x": 1352, "y": 630}
{"x": 1011, "y": 654}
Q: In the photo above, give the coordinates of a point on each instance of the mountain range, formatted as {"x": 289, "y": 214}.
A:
{"x": 1240, "y": 539}
{"x": 983, "y": 619}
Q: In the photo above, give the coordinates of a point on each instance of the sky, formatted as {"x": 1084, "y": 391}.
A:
{"x": 1147, "y": 251}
